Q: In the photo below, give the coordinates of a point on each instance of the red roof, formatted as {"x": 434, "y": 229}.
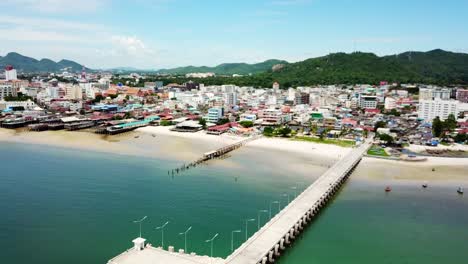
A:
{"x": 349, "y": 121}
{"x": 224, "y": 127}
{"x": 373, "y": 111}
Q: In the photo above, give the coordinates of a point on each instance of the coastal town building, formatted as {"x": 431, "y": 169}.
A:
{"x": 390, "y": 103}
{"x": 430, "y": 109}
{"x": 7, "y": 90}
{"x": 25, "y": 105}
{"x": 368, "y": 102}
{"x": 10, "y": 73}
{"x": 462, "y": 95}
{"x": 214, "y": 114}
{"x": 73, "y": 92}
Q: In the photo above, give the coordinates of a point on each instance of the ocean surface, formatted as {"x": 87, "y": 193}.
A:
{"x": 71, "y": 206}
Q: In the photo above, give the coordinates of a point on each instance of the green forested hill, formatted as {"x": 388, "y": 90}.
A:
{"x": 227, "y": 68}
{"x": 435, "y": 66}
{"x": 27, "y": 64}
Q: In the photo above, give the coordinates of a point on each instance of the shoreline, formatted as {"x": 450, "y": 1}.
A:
{"x": 161, "y": 143}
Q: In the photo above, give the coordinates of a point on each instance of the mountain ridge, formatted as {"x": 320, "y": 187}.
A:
{"x": 431, "y": 67}
{"x": 226, "y": 68}
{"x": 27, "y": 64}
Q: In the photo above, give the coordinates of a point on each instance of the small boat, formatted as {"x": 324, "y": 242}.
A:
{"x": 388, "y": 189}
{"x": 460, "y": 190}
{"x": 137, "y": 136}
{"x": 153, "y": 135}
{"x": 425, "y": 185}
{"x": 433, "y": 169}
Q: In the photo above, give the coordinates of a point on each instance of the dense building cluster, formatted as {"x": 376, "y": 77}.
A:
{"x": 402, "y": 111}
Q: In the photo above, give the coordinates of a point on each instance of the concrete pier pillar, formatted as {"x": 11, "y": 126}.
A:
{"x": 291, "y": 233}
{"x": 264, "y": 260}
{"x": 296, "y": 229}
{"x": 287, "y": 239}
{"x": 281, "y": 244}
{"x": 277, "y": 253}
{"x": 270, "y": 256}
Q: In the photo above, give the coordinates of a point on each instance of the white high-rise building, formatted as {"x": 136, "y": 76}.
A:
{"x": 390, "y": 103}
{"x": 74, "y": 92}
{"x": 291, "y": 94}
{"x": 443, "y": 94}
{"x": 430, "y": 109}
{"x": 228, "y": 88}
{"x": 52, "y": 92}
{"x": 10, "y": 73}
{"x": 425, "y": 94}
{"x": 231, "y": 98}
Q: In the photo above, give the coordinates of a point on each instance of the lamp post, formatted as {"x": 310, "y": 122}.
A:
{"x": 185, "y": 238}
{"x": 295, "y": 190}
{"x": 246, "y": 227}
{"x": 211, "y": 241}
{"x": 259, "y": 212}
{"x": 162, "y": 232}
{"x": 139, "y": 222}
{"x": 232, "y": 239}
{"x": 286, "y": 195}
{"x": 274, "y": 202}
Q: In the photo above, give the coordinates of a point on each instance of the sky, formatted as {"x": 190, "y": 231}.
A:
{"x": 154, "y": 34}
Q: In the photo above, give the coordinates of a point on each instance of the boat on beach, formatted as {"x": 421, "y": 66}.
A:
{"x": 460, "y": 190}
{"x": 388, "y": 189}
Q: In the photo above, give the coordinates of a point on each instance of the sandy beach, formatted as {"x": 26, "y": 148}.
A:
{"x": 160, "y": 142}
{"x": 454, "y": 147}
{"x": 436, "y": 170}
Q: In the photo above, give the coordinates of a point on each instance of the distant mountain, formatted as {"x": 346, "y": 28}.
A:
{"x": 26, "y": 64}
{"x": 227, "y": 68}
{"x": 436, "y": 66}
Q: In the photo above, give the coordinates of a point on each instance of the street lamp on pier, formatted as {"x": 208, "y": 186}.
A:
{"x": 185, "y": 238}
{"x": 246, "y": 227}
{"x": 211, "y": 241}
{"x": 162, "y": 232}
{"x": 259, "y": 212}
{"x": 232, "y": 239}
{"x": 139, "y": 222}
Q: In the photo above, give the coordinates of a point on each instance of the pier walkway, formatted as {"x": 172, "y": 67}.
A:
{"x": 272, "y": 239}
{"x": 267, "y": 243}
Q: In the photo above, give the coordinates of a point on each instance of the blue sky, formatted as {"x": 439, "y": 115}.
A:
{"x": 168, "y": 33}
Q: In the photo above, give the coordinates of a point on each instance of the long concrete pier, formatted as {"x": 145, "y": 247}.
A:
{"x": 214, "y": 154}
{"x": 267, "y": 244}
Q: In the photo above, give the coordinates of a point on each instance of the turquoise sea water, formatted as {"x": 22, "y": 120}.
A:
{"x": 68, "y": 206}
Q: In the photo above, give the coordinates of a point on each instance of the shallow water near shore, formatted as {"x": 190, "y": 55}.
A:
{"x": 71, "y": 206}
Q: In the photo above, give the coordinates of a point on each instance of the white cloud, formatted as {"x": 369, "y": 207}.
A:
{"x": 124, "y": 45}
{"x": 56, "y": 6}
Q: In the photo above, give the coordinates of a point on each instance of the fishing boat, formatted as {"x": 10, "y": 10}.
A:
{"x": 460, "y": 190}
{"x": 425, "y": 185}
{"x": 137, "y": 136}
{"x": 388, "y": 189}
